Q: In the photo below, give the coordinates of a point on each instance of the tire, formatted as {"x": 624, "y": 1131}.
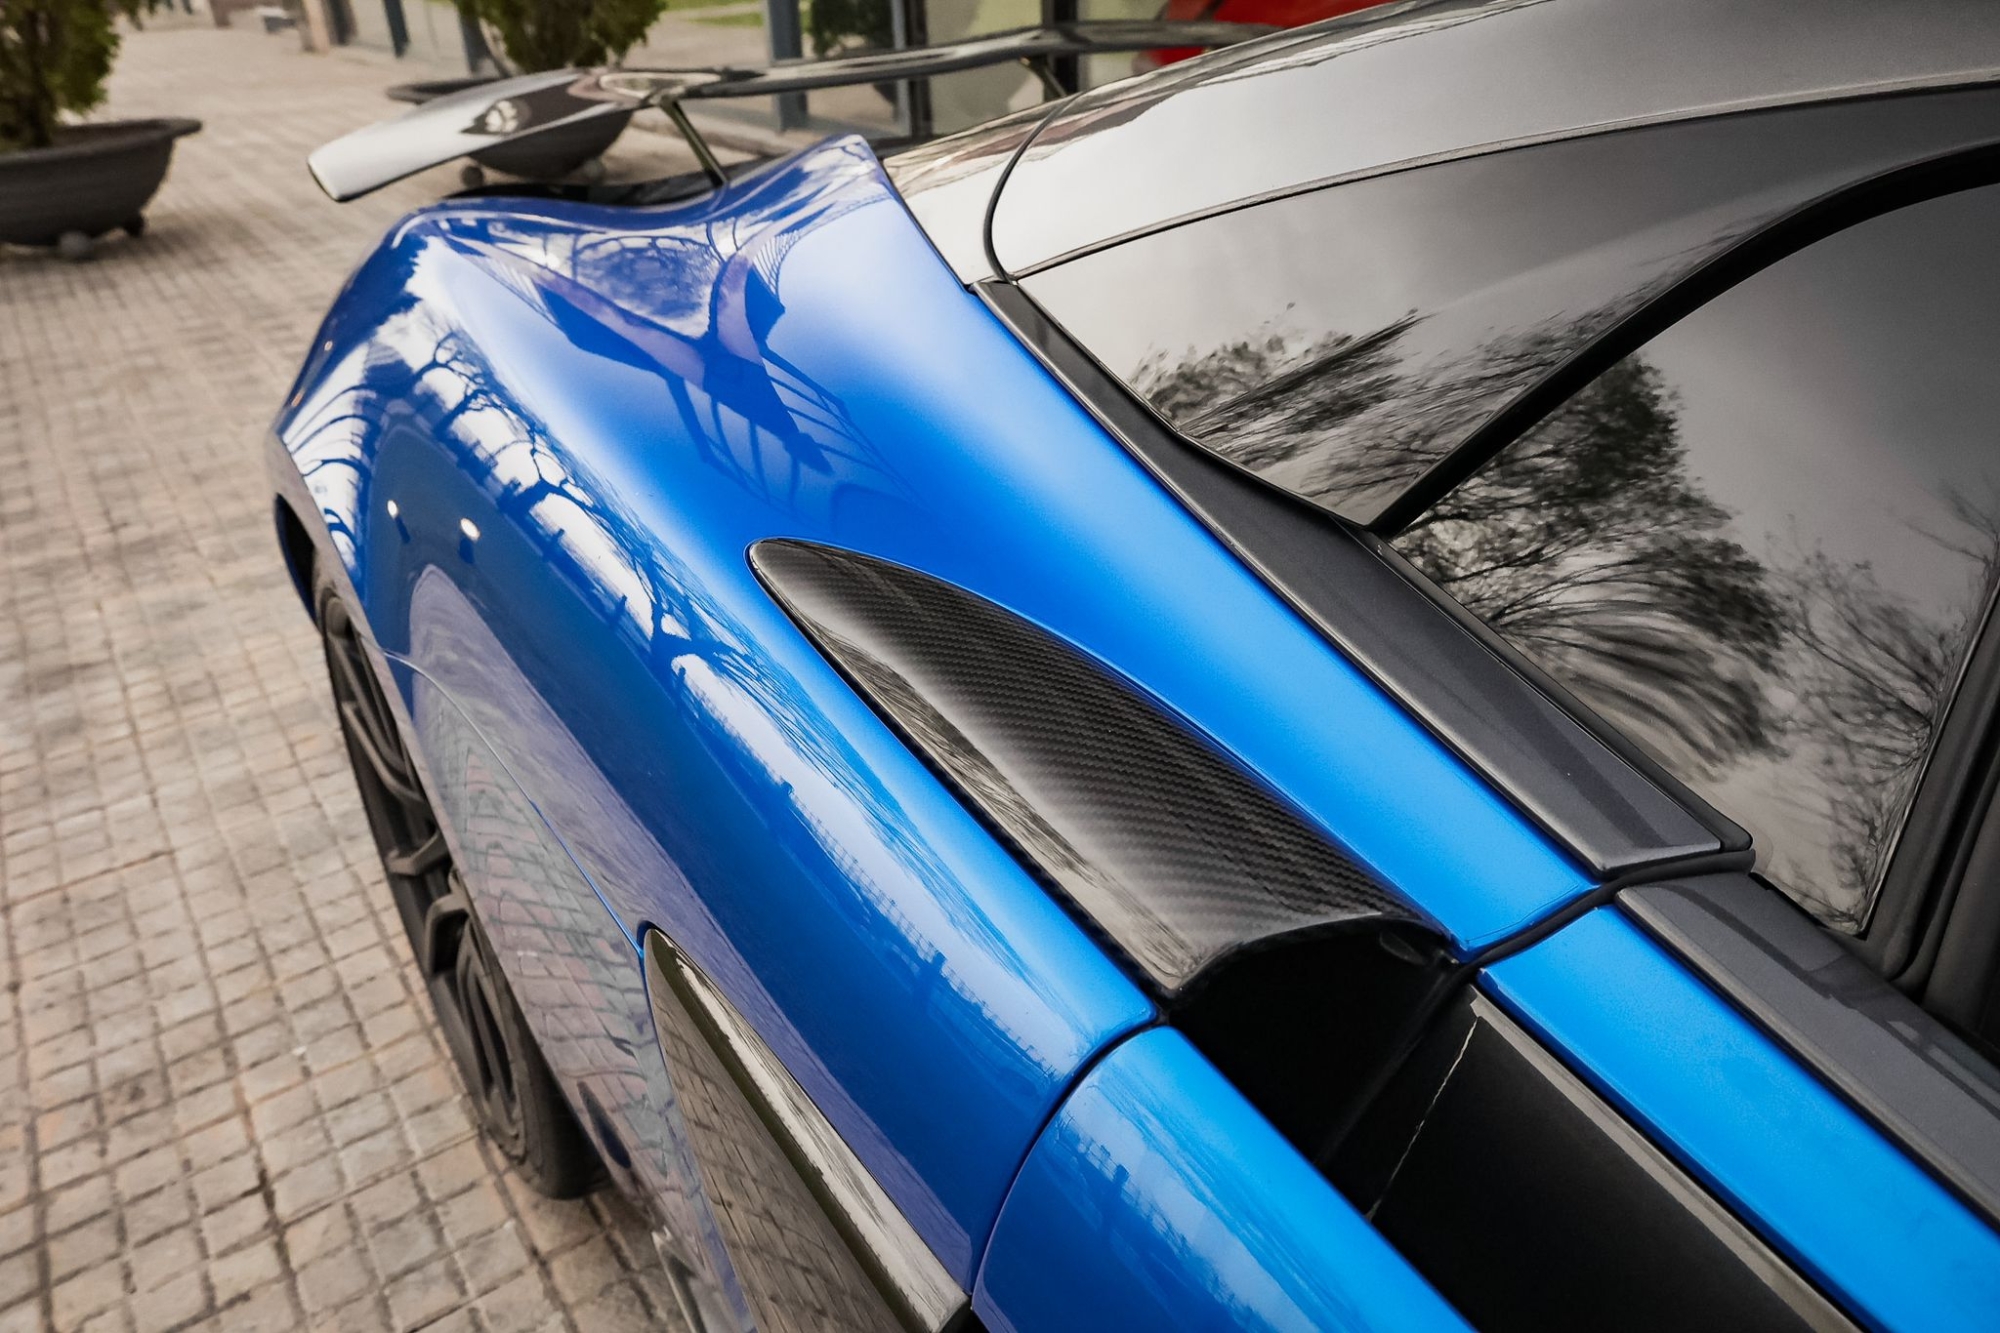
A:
{"x": 521, "y": 1108}
{"x": 519, "y": 1105}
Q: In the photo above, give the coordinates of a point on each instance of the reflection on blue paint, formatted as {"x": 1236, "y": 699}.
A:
{"x": 790, "y": 358}
{"x": 1159, "y": 1200}
{"x": 586, "y": 415}
{"x": 922, "y": 987}
{"x": 1794, "y": 1160}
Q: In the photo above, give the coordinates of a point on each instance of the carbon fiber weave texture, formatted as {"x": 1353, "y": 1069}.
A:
{"x": 1169, "y": 849}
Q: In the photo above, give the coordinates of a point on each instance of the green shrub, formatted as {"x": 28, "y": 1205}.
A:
{"x": 831, "y": 22}
{"x": 54, "y": 55}
{"x": 557, "y": 34}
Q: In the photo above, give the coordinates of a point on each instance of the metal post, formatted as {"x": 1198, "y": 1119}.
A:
{"x": 479, "y": 57}
{"x": 911, "y": 26}
{"x": 1067, "y": 71}
{"x": 399, "y": 28}
{"x": 318, "y": 26}
{"x": 703, "y": 154}
{"x": 781, "y": 21}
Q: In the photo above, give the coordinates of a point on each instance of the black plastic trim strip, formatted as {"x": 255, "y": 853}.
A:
{"x": 1608, "y": 806}
{"x": 888, "y": 1250}
{"x": 1467, "y": 971}
{"x": 1929, "y": 1091}
{"x": 1000, "y": 183}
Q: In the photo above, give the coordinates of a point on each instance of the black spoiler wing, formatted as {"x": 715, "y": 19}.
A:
{"x": 500, "y": 112}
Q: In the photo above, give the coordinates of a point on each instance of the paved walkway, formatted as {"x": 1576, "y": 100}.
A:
{"x": 222, "y": 1101}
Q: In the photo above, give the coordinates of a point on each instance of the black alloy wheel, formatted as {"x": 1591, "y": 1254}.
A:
{"x": 495, "y": 1081}
{"x": 518, "y": 1102}
{"x": 407, "y": 833}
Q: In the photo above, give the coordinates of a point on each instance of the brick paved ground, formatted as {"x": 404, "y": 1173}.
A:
{"x": 222, "y": 1101}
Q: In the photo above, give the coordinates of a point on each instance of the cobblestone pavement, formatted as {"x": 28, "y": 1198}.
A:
{"x": 222, "y": 1100}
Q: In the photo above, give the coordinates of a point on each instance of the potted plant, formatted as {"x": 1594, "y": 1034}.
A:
{"x": 61, "y": 183}
{"x": 537, "y": 35}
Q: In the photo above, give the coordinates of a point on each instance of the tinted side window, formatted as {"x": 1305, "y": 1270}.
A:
{"x": 1763, "y": 543}
{"x": 1340, "y": 342}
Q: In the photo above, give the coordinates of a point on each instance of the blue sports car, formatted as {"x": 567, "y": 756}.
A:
{"x": 1348, "y": 686}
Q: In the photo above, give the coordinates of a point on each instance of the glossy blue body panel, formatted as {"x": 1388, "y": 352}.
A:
{"x": 1159, "y": 1199}
{"x": 1790, "y": 1157}
{"x": 584, "y": 1001}
{"x": 790, "y": 358}
{"x": 584, "y": 416}
{"x": 539, "y": 439}
{"x": 688, "y": 749}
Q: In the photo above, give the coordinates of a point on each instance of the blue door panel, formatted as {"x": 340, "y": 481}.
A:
{"x": 1159, "y": 1199}
{"x": 1823, "y": 1186}
{"x": 581, "y": 987}
{"x": 916, "y": 981}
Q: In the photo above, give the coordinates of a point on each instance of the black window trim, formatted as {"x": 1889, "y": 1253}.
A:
{"x": 1958, "y": 969}
{"x": 1926, "y": 869}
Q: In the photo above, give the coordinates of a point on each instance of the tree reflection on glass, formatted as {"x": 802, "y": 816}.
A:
{"x": 1348, "y": 421}
{"x": 1788, "y": 683}
{"x": 1591, "y": 546}
{"x": 1874, "y": 675}
{"x": 1258, "y": 403}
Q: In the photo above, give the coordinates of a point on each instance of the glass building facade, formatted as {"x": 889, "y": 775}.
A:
{"x": 739, "y": 33}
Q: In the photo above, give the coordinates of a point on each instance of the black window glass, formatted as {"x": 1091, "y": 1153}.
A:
{"x": 1763, "y": 543}
{"x": 1339, "y": 342}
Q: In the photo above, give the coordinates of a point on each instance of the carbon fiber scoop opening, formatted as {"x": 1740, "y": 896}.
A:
{"x": 1170, "y": 850}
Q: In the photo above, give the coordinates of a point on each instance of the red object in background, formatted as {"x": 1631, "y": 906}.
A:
{"x": 1275, "y": 13}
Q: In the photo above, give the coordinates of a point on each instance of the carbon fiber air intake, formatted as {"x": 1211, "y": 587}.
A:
{"x": 1172, "y": 852}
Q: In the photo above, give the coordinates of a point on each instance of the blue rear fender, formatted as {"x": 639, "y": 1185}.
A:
{"x": 914, "y": 978}
{"x": 539, "y": 439}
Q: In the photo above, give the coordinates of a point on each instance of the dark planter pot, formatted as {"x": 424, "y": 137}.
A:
{"x": 95, "y": 178}
{"x": 548, "y": 156}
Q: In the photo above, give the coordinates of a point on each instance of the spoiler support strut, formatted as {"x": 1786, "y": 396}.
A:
{"x": 505, "y": 110}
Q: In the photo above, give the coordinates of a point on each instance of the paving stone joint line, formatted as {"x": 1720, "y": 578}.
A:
{"x": 223, "y": 1101}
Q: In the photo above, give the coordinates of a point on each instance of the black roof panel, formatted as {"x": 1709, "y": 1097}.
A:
{"x": 1434, "y": 79}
